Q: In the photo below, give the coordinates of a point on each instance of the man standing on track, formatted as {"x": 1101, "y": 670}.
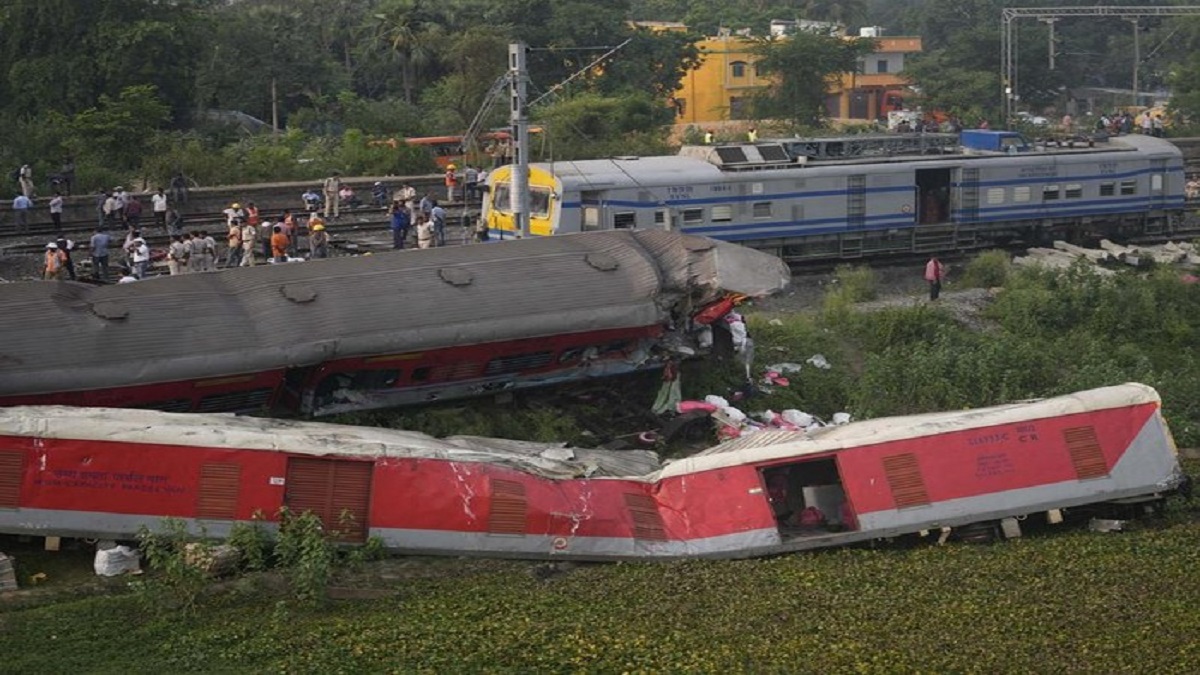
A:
{"x": 21, "y": 206}
{"x": 159, "y": 203}
{"x": 332, "y": 186}
{"x": 935, "y": 273}
{"x": 56, "y": 211}
{"x": 99, "y": 246}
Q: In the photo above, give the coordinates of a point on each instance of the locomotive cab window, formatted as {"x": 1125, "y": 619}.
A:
{"x": 808, "y": 499}
{"x": 539, "y": 202}
{"x": 1156, "y": 183}
{"x": 500, "y": 198}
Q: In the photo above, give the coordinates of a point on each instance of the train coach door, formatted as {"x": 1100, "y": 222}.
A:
{"x": 1158, "y": 183}
{"x": 933, "y": 196}
{"x": 337, "y": 491}
{"x": 808, "y": 499}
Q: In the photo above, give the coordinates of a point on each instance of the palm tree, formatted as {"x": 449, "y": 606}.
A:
{"x": 409, "y": 35}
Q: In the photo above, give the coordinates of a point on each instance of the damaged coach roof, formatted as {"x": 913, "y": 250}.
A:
{"x": 62, "y": 336}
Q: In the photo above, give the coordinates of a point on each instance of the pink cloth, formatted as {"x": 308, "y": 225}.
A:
{"x": 934, "y": 270}
{"x": 689, "y": 406}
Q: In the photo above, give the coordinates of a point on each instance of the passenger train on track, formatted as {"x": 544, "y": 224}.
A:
{"x": 859, "y": 196}
{"x": 95, "y": 472}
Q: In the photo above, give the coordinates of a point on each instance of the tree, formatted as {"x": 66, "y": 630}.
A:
{"x": 591, "y": 125}
{"x": 802, "y": 68}
{"x": 117, "y": 131}
{"x": 408, "y": 30}
{"x": 651, "y": 62}
{"x": 63, "y": 55}
{"x": 842, "y": 12}
{"x": 265, "y": 52}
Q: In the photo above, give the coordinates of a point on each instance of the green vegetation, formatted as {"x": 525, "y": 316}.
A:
{"x": 135, "y": 90}
{"x": 1071, "y": 601}
{"x": 1045, "y": 334}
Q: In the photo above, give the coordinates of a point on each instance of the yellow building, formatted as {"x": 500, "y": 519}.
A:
{"x": 721, "y": 86}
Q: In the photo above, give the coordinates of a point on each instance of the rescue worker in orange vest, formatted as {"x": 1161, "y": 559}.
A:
{"x": 56, "y": 262}
{"x": 279, "y": 244}
{"x": 451, "y": 181}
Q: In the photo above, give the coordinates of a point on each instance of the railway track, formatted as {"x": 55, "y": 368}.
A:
{"x": 366, "y": 228}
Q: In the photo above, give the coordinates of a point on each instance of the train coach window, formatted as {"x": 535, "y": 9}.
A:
{"x": 1129, "y": 187}
{"x": 722, "y": 213}
{"x": 1022, "y": 193}
{"x": 591, "y": 218}
{"x": 1156, "y": 183}
{"x": 1073, "y": 191}
{"x": 1108, "y": 189}
{"x": 235, "y": 401}
{"x": 361, "y": 380}
{"x": 762, "y": 209}
{"x": 995, "y": 195}
{"x": 660, "y": 217}
{"x": 625, "y": 220}
{"x": 693, "y": 216}
{"x": 1049, "y": 193}
{"x": 517, "y": 363}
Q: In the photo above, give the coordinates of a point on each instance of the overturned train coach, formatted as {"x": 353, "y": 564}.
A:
{"x": 106, "y": 472}
{"x": 375, "y": 331}
{"x": 856, "y": 196}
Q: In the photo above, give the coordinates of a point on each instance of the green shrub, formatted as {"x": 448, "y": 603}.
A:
{"x": 851, "y": 284}
{"x": 254, "y": 542}
{"x": 987, "y": 270}
{"x": 306, "y": 555}
{"x": 172, "y": 552}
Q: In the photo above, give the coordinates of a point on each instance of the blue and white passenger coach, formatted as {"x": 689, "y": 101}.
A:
{"x": 867, "y": 195}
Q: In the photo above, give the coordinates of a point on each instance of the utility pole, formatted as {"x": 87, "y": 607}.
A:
{"x": 519, "y": 118}
{"x": 1050, "y": 23}
{"x": 1137, "y": 60}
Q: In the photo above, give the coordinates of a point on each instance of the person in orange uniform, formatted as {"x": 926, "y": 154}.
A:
{"x": 451, "y": 181}
{"x": 279, "y": 244}
{"x": 56, "y": 262}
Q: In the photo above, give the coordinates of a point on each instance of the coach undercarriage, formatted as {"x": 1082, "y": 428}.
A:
{"x": 951, "y": 237}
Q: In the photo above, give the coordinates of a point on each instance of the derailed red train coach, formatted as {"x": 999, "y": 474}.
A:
{"x": 106, "y": 473}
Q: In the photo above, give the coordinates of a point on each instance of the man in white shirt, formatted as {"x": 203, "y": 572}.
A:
{"x": 141, "y": 258}
{"x": 159, "y": 204}
{"x": 56, "y": 211}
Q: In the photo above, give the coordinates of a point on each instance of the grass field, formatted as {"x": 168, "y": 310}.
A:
{"x": 1062, "y": 601}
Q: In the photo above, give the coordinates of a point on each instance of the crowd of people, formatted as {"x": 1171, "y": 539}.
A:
{"x": 250, "y": 237}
